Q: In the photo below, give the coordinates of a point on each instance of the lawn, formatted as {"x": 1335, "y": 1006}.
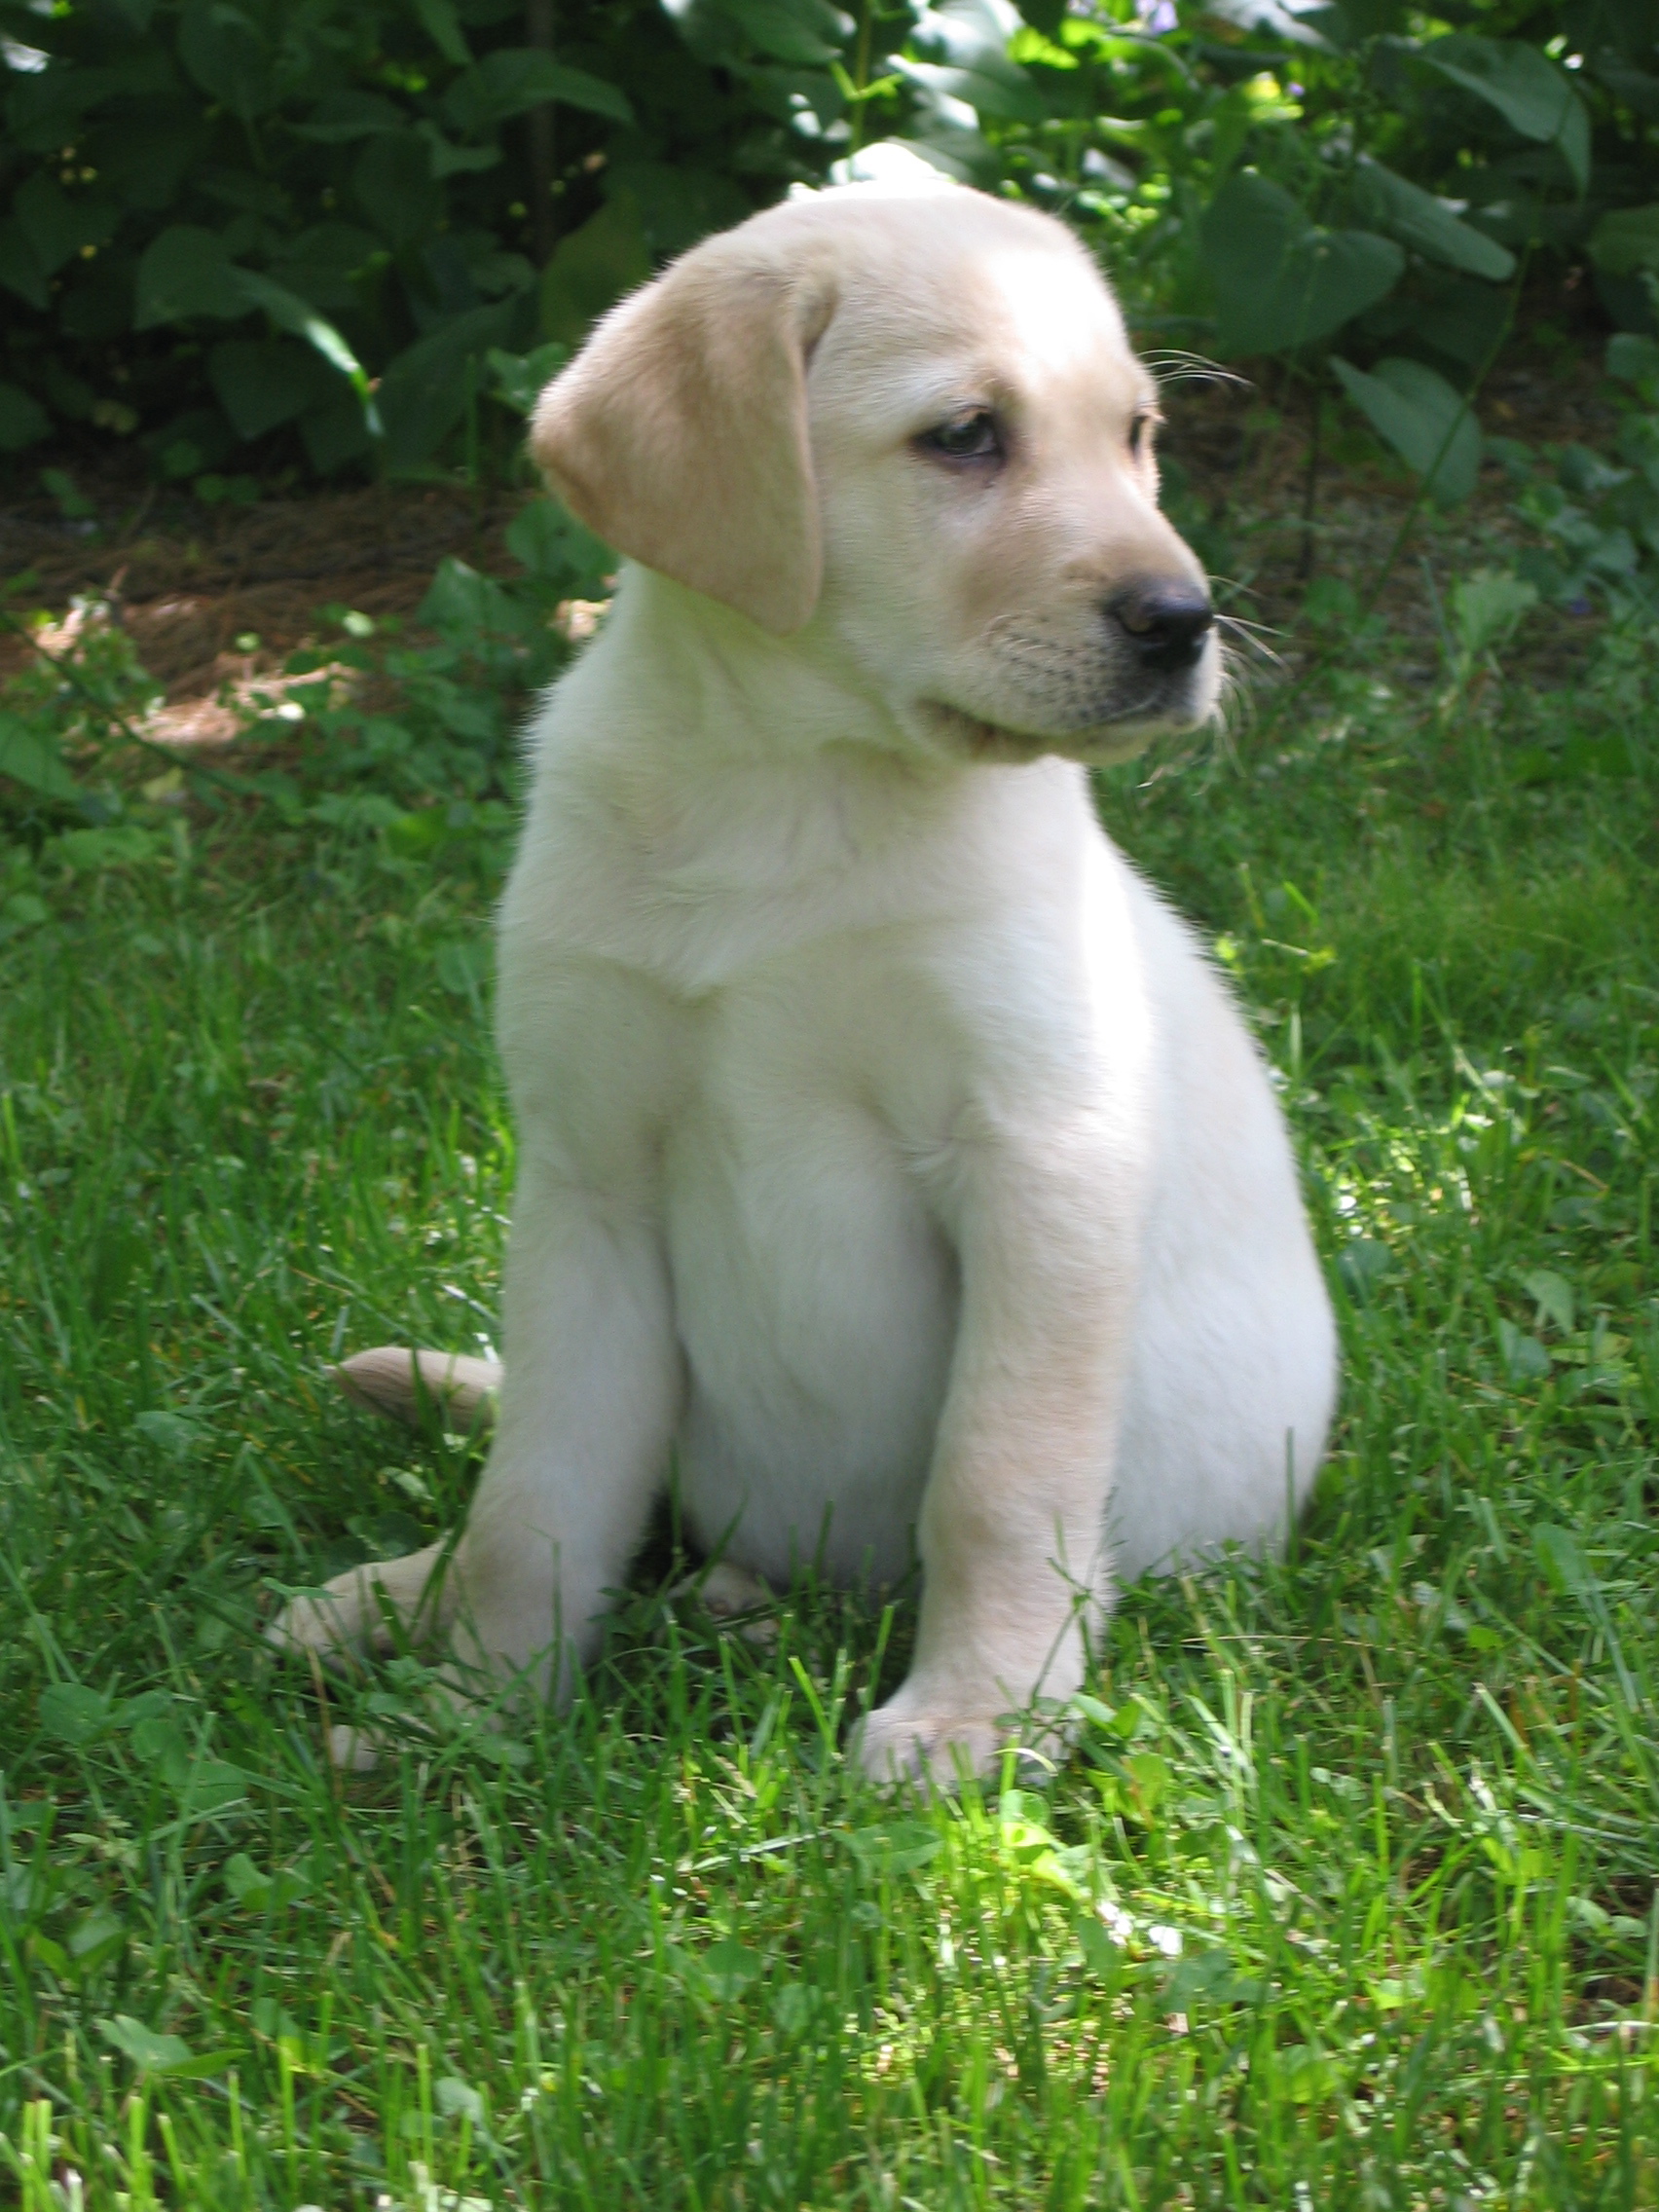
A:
{"x": 1346, "y": 1895}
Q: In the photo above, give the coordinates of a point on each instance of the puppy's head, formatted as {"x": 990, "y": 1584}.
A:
{"x": 911, "y": 432}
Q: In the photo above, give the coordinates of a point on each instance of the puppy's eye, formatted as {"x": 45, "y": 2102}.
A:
{"x": 970, "y": 437}
{"x": 1141, "y": 430}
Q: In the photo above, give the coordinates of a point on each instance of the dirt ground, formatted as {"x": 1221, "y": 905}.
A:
{"x": 214, "y": 597}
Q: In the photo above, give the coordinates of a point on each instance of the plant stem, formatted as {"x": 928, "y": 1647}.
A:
{"x": 1397, "y": 545}
{"x": 1415, "y": 508}
{"x": 71, "y": 674}
{"x": 861, "y": 75}
{"x": 539, "y": 124}
{"x": 1310, "y": 493}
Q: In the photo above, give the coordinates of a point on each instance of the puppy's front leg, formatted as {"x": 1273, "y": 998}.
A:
{"x": 589, "y": 1403}
{"x": 1013, "y": 1523}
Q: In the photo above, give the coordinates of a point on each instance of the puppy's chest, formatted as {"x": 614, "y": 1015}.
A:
{"x": 782, "y": 969}
{"x": 704, "y": 899}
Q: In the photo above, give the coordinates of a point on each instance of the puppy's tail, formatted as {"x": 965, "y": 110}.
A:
{"x": 408, "y": 1385}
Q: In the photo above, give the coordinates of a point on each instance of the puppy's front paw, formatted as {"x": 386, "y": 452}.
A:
{"x": 329, "y": 1622}
{"x": 930, "y": 1740}
{"x": 355, "y": 1612}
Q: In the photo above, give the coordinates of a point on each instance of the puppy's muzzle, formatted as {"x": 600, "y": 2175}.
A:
{"x": 1166, "y": 620}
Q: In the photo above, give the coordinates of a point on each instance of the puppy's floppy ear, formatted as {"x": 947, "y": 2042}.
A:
{"x": 679, "y": 433}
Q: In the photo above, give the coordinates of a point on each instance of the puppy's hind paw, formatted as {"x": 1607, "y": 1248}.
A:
{"x": 732, "y": 1593}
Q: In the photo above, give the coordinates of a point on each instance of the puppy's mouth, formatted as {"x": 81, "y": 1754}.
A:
{"x": 1120, "y": 737}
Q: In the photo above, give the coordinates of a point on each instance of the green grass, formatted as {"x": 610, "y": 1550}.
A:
{"x": 1394, "y": 1802}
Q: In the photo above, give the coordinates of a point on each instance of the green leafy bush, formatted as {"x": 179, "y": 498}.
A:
{"x": 305, "y": 230}
{"x": 233, "y": 219}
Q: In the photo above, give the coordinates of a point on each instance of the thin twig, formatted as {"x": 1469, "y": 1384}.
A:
{"x": 1390, "y": 559}
{"x": 67, "y": 669}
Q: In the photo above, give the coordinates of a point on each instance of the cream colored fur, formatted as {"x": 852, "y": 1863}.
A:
{"x": 892, "y": 1161}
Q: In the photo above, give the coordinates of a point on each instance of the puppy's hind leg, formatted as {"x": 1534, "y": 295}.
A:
{"x": 403, "y": 1384}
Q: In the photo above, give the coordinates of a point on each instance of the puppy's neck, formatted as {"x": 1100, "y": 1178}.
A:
{"x": 739, "y": 693}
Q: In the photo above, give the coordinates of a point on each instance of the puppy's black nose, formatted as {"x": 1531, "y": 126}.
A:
{"x": 1167, "y": 619}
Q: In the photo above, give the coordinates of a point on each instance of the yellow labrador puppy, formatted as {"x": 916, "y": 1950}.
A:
{"x": 891, "y": 1160}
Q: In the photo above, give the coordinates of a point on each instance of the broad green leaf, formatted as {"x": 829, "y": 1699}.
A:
{"x": 220, "y": 47}
{"x": 1149, "y": 1779}
{"x": 459, "y": 2099}
{"x": 259, "y": 1891}
{"x": 58, "y": 224}
{"x": 94, "y": 1935}
{"x": 23, "y": 421}
{"x": 1306, "y": 2077}
{"x": 186, "y": 272}
{"x": 966, "y": 46}
{"x": 322, "y": 263}
{"x": 464, "y": 966}
{"x": 1467, "y": 321}
{"x": 678, "y": 203}
{"x": 1532, "y": 94}
{"x": 1631, "y": 357}
{"x": 462, "y": 604}
{"x": 342, "y": 116}
{"x": 301, "y": 319}
{"x": 728, "y": 1968}
{"x": 1485, "y": 610}
{"x": 1280, "y": 280}
{"x": 449, "y": 159}
{"x": 243, "y": 1878}
{"x": 43, "y": 111}
{"x": 143, "y": 163}
{"x": 1416, "y": 218}
{"x": 262, "y": 383}
{"x": 1430, "y": 425}
{"x": 173, "y": 1433}
{"x": 442, "y": 26}
{"x": 986, "y": 92}
{"x": 72, "y": 1714}
{"x": 896, "y": 1847}
{"x": 521, "y": 377}
{"x": 1361, "y": 1265}
{"x": 210, "y": 1785}
{"x": 1100, "y": 1955}
{"x": 516, "y": 78}
{"x": 1280, "y": 17}
{"x": 424, "y": 393}
{"x": 20, "y": 270}
{"x": 1209, "y": 1975}
{"x": 394, "y": 186}
{"x": 592, "y": 268}
{"x": 121, "y": 845}
{"x": 802, "y": 31}
{"x": 159, "y": 1740}
{"x": 1525, "y": 1360}
{"x": 559, "y": 550}
{"x": 154, "y": 2053}
{"x": 1562, "y": 1561}
{"x": 27, "y": 754}
{"x": 1552, "y": 1294}
{"x": 1626, "y": 240}
{"x": 417, "y": 832}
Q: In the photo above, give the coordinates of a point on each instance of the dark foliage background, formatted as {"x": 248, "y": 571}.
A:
{"x": 342, "y": 235}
